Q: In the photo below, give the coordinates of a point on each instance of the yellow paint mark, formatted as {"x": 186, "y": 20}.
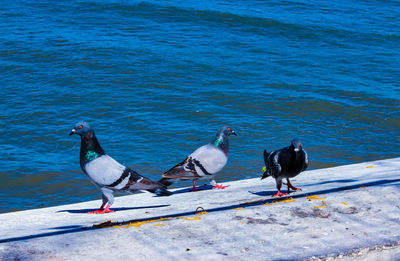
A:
{"x": 140, "y": 223}
{"x": 320, "y": 206}
{"x": 190, "y": 219}
{"x": 344, "y": 203}
{"x": 242, "y": 222}
{"x": 363, "y": 187}
{"x": 315, "y": 197}
{"x": 369, "y": 167}
{"x": 264, "y": 169}
{"x": 159, "y": 224}
{"x": 107, "y": 223}
{"x": 202, "y": 212}
{"x": 237, "y": 208}
{"x": 288, "y": 200}
{"x": 285, "y": 200}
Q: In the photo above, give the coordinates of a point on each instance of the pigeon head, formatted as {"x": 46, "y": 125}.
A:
{"x": 221, "y": 139}
{"x": 82, "y": 128}
{"x": 296, "y": 145}
{"x": 226, "y": 131}
{"x": 90, "y": 147}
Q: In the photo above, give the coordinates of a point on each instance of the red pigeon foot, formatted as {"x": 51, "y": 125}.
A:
{"x": 220, "y": 186}
{"x": 102, "y": 211}
{"x": 279, "y": 194}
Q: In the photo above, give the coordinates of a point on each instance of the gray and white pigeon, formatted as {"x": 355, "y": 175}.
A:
{"x": 105, "y": 172}
{"x": 204, "y": 162}
{"x": 285, "y": 163}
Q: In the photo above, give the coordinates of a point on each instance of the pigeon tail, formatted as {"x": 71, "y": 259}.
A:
{"x": 267, "y": 171}
{"x": 163, "y": 191}
{"x": 167, "y": 181}
{"x": 160, "y": 192}
{"x": 266, "y": 155}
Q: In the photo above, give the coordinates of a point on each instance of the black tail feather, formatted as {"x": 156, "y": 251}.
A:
{"x": 163, "y": 191}
{"x": 267, "y": 172}
{"x": 266, "y": 154}
{"x": 167, "y": 181}
{"x": 160, "y": 192}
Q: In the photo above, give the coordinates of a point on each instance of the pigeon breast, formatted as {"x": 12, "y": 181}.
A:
{"x": 104, "y": 171}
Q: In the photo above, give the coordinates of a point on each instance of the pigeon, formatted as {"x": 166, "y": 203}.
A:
{"x": 286, "y": 163}
{"x": 106, "y": 173}
{"x": 204, "y": 162}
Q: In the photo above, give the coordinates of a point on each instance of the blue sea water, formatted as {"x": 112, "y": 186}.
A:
{"x": 156, "y": 79}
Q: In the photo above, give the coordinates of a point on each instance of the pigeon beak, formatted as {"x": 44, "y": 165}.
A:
{"x": 296, "y": 149}
{"x": 234, "y": 133}
{"x": 72, "y": 132}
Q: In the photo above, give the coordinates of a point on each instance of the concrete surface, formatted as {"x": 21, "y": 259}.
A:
{"x": 340, "y": 212}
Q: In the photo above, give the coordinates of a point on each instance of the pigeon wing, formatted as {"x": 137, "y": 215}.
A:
{"x": 306, "y": 161}
{"x": 267, "y": 171}
{"x": 104, "y": 170}
{"x": 275, "y": 166}
{"x": 183, "y": 170}
{"x": 107, "y": 172}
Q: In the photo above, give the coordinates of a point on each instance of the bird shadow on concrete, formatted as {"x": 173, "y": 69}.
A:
{"x": 330, "y": 190}
{"x": 332, "y": 181}
{"x": 66, "y": 227}
{"x": 199, "y": 188}
{"x": 265, "y": 193}
{"x": 84, "y": 211}
{"x": 270, "y": 193}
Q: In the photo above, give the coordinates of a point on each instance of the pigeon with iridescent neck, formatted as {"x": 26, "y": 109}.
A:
{"x": 285, "y": 163}
{"x": 204, "y": 162}
{"x": 108, "y": 174}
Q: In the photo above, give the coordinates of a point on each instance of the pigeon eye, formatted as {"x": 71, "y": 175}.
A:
{"x": 80, "y": 127}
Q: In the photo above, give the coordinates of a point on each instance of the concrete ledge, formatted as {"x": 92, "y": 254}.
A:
{"x": 340, "y": 210}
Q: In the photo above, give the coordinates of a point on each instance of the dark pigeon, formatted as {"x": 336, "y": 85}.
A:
{"x": 285, "y": 163}
{"x": 106, "y": 173}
